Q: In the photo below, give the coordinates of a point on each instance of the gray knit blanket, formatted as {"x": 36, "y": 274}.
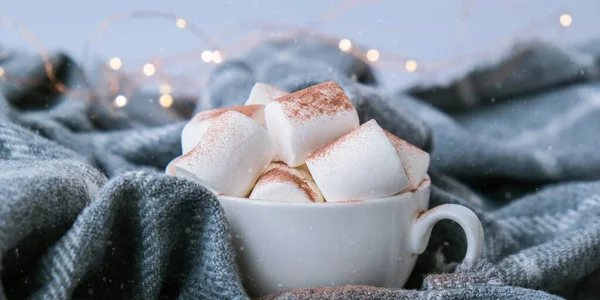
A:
{"x": 86, "y": 211}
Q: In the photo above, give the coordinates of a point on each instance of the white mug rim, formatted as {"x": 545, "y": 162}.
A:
{"x": 425, "y": 184}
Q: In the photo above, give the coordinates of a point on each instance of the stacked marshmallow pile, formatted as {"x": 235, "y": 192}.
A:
{"x": 306, "y": 146}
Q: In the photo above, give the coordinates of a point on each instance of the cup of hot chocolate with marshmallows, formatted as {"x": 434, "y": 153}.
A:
{"x": 312, "y": 197}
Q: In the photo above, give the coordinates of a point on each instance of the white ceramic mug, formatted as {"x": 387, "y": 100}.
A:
{"x": 281, "y": 246}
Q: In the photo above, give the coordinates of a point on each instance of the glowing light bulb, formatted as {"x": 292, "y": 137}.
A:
{"x": 373, "y": 55}
{"x": 411, "y": 65}
{"x": 120, "y": 101}
{"x": 165, "y": 88}
{"x": 216, "y": 57}
{"x": 207, "y": 56}
{"x": 180, "y": 23}
{"x": 165, "y": 100}
{"x": 565, "y": 20}
{"x": 345, "y": 45}
{"x": 115, "y": 63}
{"x": 149, "y": 69}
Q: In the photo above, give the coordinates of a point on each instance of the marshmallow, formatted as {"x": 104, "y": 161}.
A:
{"x": 232, "y": 154}
{"x": 360, "y": 165}
{"x": 282, "y": 183}
{"x": 194, "y": 130}
{"x": 263, "y": 93}
{"x": 415, "y": 160}
{"x": 170, "y": 169}
{"x": 304, "y": 121}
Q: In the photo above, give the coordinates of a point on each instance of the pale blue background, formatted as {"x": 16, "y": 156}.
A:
{"x": 425, "y": 30}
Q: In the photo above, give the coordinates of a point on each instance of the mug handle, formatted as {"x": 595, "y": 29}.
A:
{"x": 423, "y": 225}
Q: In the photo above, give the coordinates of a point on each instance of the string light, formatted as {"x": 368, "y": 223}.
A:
{"x": 565, "y": 20}
{"x": 216, "y": 57}
{"x": 373, "y": 55}
{"x": 345, "y": 45}
{"x": 165, "y": 88}
{"x": 165, "y": 100}
{"x": 180, "y": 23}
{"x": 149, "y": 69}
{"x": 115, "y": 63}
{"x": 207, "y": 56}
{"x": 120, "y": 101}
{"x": 411, "y": 65}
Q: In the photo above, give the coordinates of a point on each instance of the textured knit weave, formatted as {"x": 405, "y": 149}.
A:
{"x": 86, "y": 212}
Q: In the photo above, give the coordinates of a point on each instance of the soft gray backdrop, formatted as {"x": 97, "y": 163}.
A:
{"x": 424, "y": 30}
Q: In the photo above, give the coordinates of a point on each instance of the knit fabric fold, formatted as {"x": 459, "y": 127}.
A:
{"x": 86, "y": 211}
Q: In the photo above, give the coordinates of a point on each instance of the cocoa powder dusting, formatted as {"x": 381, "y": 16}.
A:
{"x": 350, "y": 135}
{"x": 400, "y": 143}
{"x": 248, "y": 110}
{"x": 424, "y": 213}
{"x": 278, "y": 163}
{"x": 425, "y": 181}
{"x": 281, "y": 175}
{"x": 322, "y": 99}
{"x": 220, "y": 132}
